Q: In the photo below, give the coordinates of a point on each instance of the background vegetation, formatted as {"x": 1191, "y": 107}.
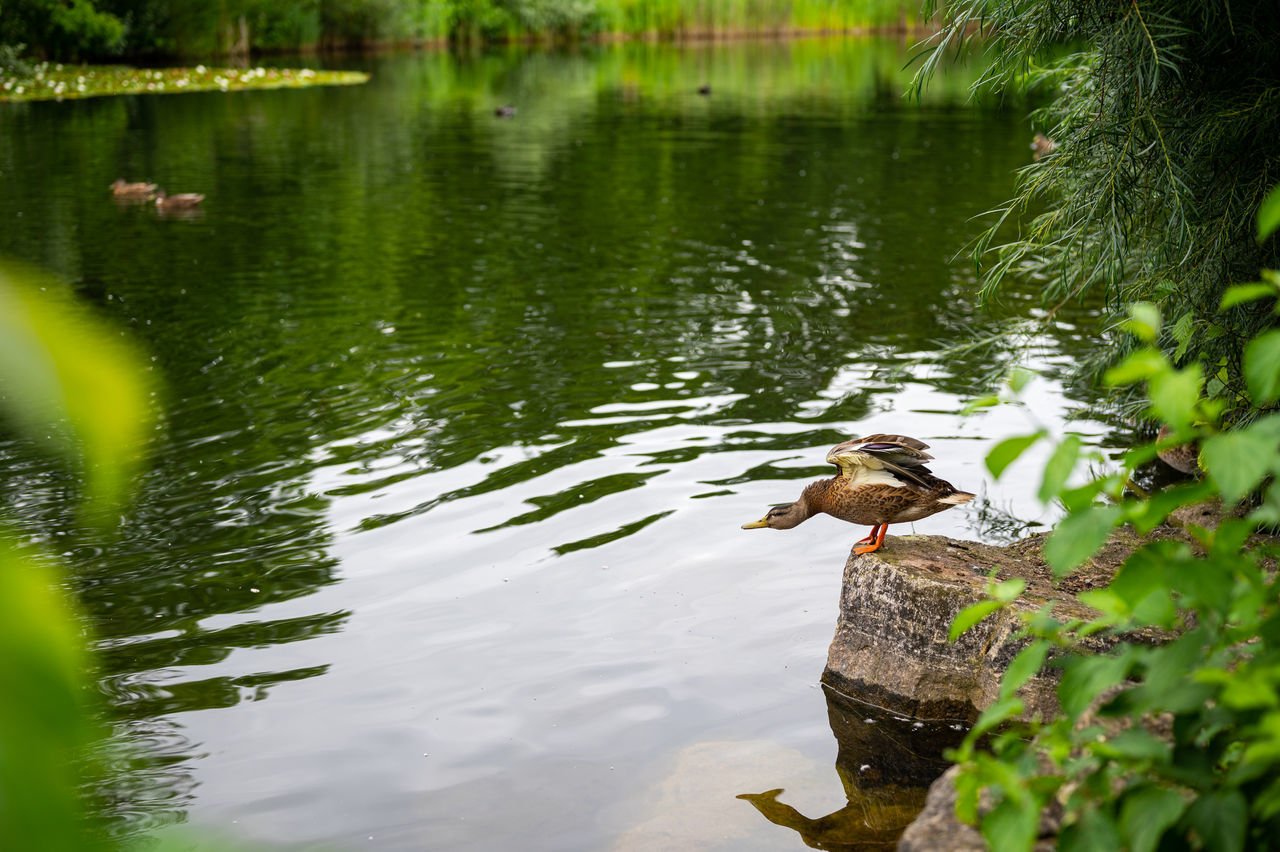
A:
{"x": 100, "y": 29}
{"x": 1166, "y": 118}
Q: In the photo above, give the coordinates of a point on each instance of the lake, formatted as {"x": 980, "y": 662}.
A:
{"x": 440, "y": 546}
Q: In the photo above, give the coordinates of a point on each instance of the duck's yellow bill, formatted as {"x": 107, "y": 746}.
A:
{"x": 755, "y": 525}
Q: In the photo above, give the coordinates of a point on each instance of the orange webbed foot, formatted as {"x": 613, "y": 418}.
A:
{"x": 878, "y": 534}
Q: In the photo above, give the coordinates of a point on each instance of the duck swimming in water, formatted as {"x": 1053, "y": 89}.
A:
{"x": 182, "y": 199}
{"x": 882, "y": 481}
{"x": 121, "y": 188}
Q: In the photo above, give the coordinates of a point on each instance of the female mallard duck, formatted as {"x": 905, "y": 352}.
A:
{"x": 182, "y": 199}
{"x": 121, "y": 188}
{"x": 882, "y": 481}
{"x": 1043, "y": 146}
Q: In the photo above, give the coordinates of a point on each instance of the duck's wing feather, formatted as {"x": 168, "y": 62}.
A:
{"x": 897, "y": 454}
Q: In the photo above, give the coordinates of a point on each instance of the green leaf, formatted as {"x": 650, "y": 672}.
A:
{"x": 1232, "y": 459}
{"x": 1174, "y": 394}
{"x": 1059, "y": 467}
{"x": 1023, "y": 667}
{"x": 1146, "y": 515}
{"x": 1086, "y": 677}
{"x": 1262, "y": 367}
{"x": 72, "y": 383}
{"x": 1091, "y": 833}
{"x": 42, "y": 720}
{"x": 1219, "y": 818}
{"x": 967, "y": 790}
{"x": 1142, "y": 585}
{"x": 1012, "y": 825}
{"x": 1181, "y": 329}
{"x": 1239, "y": 294}
{"x": 1135, "y": 744}
{"x": 1146, "y": 812}
{"x": 1143, "y": 322}
{"x": 979, "y": 403}
{"x": 1008, "y": 591}
{"x": 1269, "y": 214}
{"x": 1137, "y": 367}
{"x": 1250, "y": 687}
{"x": 1007, "y": 452}
{"x": 1078, "y": 536}
{"x": 1181, "y": 332}
{"x": 969, "y": 616}
{"x": 1107, "y": 602}
{"x": 1001, "y": 711}
{"x": 1019, "y": 378}
{"x": 1080, "y": 498}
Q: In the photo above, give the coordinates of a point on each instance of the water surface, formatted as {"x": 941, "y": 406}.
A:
{"x": 441, "y": 546}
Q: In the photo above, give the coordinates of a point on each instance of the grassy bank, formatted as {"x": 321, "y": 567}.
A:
{"x": 152, "y": 29}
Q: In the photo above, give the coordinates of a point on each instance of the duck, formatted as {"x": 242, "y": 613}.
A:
{"x": 704, "y": 89}
{"x": 1184, "y": 458}
{"x": 181, "y": 199}
{"x": 1043, "y": 146}
{"x": 882, "y": 480}
{"x": 121, "y": 188}
{"x": 505, "y": 111}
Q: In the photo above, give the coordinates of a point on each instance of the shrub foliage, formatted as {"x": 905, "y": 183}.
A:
{"x": 1173, "y": 744}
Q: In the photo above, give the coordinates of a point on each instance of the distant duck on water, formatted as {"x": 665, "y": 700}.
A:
{"x": 121, "y": 188}
{"x": 180, "y": 200}
{"x": 505, "y": 111}
{"x": 883, "y": 480}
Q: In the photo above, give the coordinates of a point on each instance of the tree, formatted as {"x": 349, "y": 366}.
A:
{"x": 60, "y": 30}
{"x": 1166, "y": 119}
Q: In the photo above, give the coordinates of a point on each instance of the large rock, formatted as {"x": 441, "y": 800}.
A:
{"x": 891, "y": 647}
{"x": 937, "y": 829}
{"x": 891, "y": 644}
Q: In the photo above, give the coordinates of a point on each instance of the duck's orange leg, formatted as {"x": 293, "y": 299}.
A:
{"x": 874, "y": 546}
{"x": 871, "y": 538}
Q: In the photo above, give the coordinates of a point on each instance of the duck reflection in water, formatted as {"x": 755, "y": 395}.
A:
{"x": 885, "y": 763}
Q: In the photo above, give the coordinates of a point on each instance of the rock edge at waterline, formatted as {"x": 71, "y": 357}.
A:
{"x": 896, "y": 606}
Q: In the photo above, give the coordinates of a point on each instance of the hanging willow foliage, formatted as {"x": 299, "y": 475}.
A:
{"x": 1166, "y": 121}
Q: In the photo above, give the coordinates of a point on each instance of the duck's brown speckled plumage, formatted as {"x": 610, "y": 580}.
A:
{"x": 882, "y": 481}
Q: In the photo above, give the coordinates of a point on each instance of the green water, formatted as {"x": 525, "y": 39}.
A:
{"x": 462, "y": 414}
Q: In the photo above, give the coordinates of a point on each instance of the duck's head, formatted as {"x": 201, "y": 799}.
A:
{"x": 782, "y": 517}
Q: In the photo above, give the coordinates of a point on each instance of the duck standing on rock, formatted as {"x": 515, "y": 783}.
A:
{"x": 882, "y": 481}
